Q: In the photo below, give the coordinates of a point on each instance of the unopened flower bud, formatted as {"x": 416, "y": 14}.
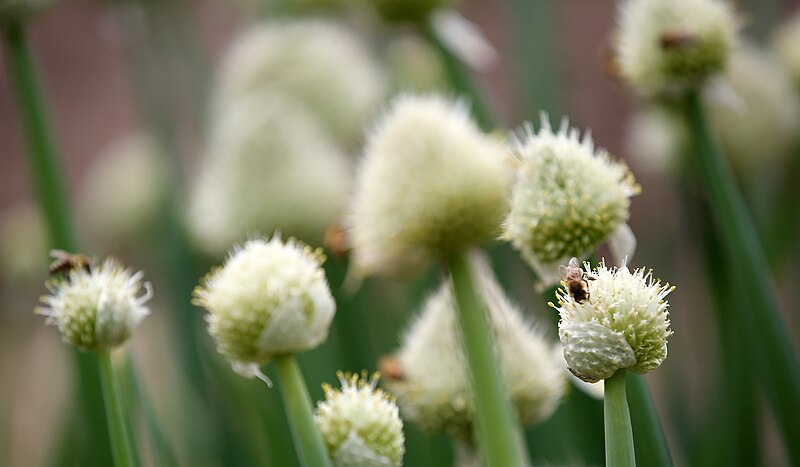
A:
{"x": 430, "y": 183}
{"x": 360, "y": 424}
{"x": 95, "y": 306}
{"x": 621, "y": 323}
{"x": 567, "y": 199}
{"x": 270, "y": 297}
{"x": 666, "y": 47}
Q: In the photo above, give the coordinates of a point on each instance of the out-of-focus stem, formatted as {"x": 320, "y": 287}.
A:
{"x": 619, "y": 434}
{"x": 121, "y": 440}
{"x": 651, "y": 445}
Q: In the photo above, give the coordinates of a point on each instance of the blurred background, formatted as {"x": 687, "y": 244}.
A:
{"x": 135, "y": 97}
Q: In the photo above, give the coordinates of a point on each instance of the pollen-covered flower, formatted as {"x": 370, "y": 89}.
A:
{"x": 360, "y": 424}
{"x": 623, "y": 324}
{"x": 318, "y": 64}
{"x": 429, "y": 183}
{"x": 666, "y": 47}
{"x": 431, "y": 378}
{"x": 97, "y": 306}
{"x": 269, "y": 166}
{"x": 270, "y": 297}
{"x": 568, "y": 198}
{"x": 786, "y": 43}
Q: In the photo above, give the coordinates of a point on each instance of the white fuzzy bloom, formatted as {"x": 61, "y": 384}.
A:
{"x": 764, "y": 126}
{"x": 319, "y": 64}
{"x": 670, "y": 46}
{"x": 270, "y": 297}
{"x": 360, "y": 424}
{"x": 786, "y": 43}
{"x": 99, "y": 308}
{"x": 269, "y": 166}
{"x": 430, "y": 182}
{"x": 568, "y": 197}
{"x": 123, "y": 192}
{"x": 434, "y": 390}
{"x": 624, "y": 324}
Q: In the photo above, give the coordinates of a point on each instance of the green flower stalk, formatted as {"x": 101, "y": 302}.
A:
{"x": 360, "y": 424}
{"x": 269, "y": 300}
{"x": 97, "y": 307}
{"x": 431, "y": 185}
{"x": 613, "y": 321}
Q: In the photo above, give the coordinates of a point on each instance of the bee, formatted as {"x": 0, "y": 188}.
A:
{"x": 390, "y": 367}
{"x": 336, "y": 240}
{"x": 63, "y": 262}
{"x": 676, "y": 40}
{"x": 576, "y": 280}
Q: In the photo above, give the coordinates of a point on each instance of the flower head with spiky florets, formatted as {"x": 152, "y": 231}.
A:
{"x": 568, "y": 197}
{"x": 623, "y": 324}
{"x": 98, "y": 307}
{"x": 270, "y": 297}
{"x": 430, "y": 183}
{"x": 666, "y": 47}
{"x": 360, "y": 424}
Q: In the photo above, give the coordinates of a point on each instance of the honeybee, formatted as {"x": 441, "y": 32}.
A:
{"x": 64, "y": 262}
{"x": 676, "y": 40}
{"x": 390, "y": 368}
{"x": 576, "y": 280}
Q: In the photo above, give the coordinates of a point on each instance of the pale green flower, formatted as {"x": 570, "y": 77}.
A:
{"x": 360, "y": 424}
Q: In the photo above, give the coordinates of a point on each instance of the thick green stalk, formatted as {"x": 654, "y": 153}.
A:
{"x": 497, "y": 431}
{"x": 121, "y": 440}
{"x": 780, "y": 374}
{"x": 651, "y": 446}
{"x": 617, "y": 418}
{"x": 52, "y": 196}
{"x": 307, "y": 440}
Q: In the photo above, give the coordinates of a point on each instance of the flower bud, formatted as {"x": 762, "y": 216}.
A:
{"x": 270, "y": 297}
{"x": 622, "y": 323}
{"x": 568, "y": 197}
{"x": 666, "y": 47}
{"x": 96, "y": 306}
{"x": 360, "y": 424}
{"x": 430, "y": 183}
{"x": 431, "y": 377}
{"x": 340, "y": 85}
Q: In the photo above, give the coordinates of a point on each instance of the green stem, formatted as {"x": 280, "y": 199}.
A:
{"x": 497, "y": 432}
{"x": 780, "y": 374}
{"x": 651, "y": 446}
{"x": 617, "y": 418}
{"x": 463, "y": 82}
{"x": 307, "y": 440}
{"x": 121, "y": 440}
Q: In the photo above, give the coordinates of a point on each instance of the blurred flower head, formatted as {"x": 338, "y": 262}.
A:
{"x": 269, "y": 297}
{"x": 568, "y": 197}
{"x": 320, "y": 65}
{"x": 786, "y": 43}
{"x": 656, "y": 139}
{"x": 432, "y": 383}
{"x": 123, "y": 192}
{"x": 430, "y": 183}
{"x": 414, "y": 65}
{"x": 666, "y": 47}
{"x": 622, "y": 324}
{"x": 360, "y": 424}
{"x": 97, "y": 307}
{"x": 269, "y": 166}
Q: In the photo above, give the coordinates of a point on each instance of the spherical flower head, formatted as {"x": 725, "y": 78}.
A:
{"x": 762, "y": 123}
{"x": 623, "y": 324}
{"x": 666, "y": 47}
{"x": 433, "y": 387}
{"x": 341, "y": 85}
{"x": 270, "y": 297}
{"x": 97, "y": 307}
{"x": 568, "y": 196}
{"x": 786, "y": 43}
{"x": 269, "y": 166}
{"x": 360, "y": 424}
{"x": 430, "y": 183}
